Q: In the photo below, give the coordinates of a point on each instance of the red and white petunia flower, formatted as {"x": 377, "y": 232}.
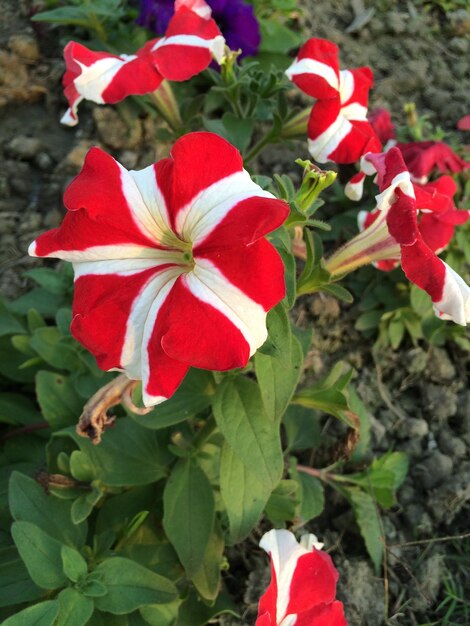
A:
{"x": 338, "y": 129}
{"x": 303, "y": 583}
{"x": 395, "y": 233}
{"x": 190, "y": 43}
{"x": 381, "y": 121}
{"x": 438, "y": 216}
{"x": 423, "y": 158}
{"x": 172, "y": 269}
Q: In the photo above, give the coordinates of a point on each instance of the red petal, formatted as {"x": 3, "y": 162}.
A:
{"x": 325, "y": 615}
{"x": 313, "y": 582}
{"x": 98, "y": 211}
{"x": 402, "y": 220}
{"x": 196, "y": 333}
{"x": 464, "y": 123}
{"x": 200, "y": 160}
{"x": 257, "y": 270}
{"x": 101, "y": 308}
{"x": 267, "y": 604}
{"x": 313, "y": 84}
{"x": 360, "y": 140}
{"x": 180, "y": 61}
{"x": 363, "y": 80}
{"x": 435, "y": 233}
{"x": 423, "y": 268}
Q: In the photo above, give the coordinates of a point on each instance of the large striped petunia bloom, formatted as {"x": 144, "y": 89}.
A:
{"x": 402, "y": 231}
{"x": 172, "y": 268}
{"x": 338, "y": 129}
{"x": 192, "y": 40}
{"x": 302, "y": 590}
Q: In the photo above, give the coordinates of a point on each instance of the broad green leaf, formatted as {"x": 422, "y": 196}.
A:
{"x": 368, "y": 320}
{"x": 396, "y": 332}
{"x": 45, "y": 302}
{"x": 130, "y": 586}
{"x": 46, "y": 341}
{"x": 302, "y": 427}
{"x": 128, "y": 455}
{"x": 11, "y": 362}
{"x": 74, "y": 565}
{"x": 83, "y": 505}
{"x": 312, "y": 496}
{"x": 254, "y": 438}
{"x": 276, "y": 37}
{"x": 193, "y": 396}
{"x": 367, "y": 517}
{"x": 40, "y": 553}
{"x": 43, "y": 614}
{"x": 232, "y": 128}
{"x": 207, "y": 578}
{"x": 290, "y": 276}
{"x": 75, "y": 609}
{"x": 278, "y": 378}
{"x": 60, "y": 404}
{"x": 52, "y": 280}
{"x": 193, "y": 612}
{"x": 283, "y": 502}
{"x": 420, "y": 300}
{"x": 118, "y": 511}
{"x": 79, "y": 16}
{"x": 16, "y": 586}
{"x": 10, "y": 324}
{"x": 18, "y": 409}
{"x": 243, "y": 493}
{"x": 161, "y": 614}
{"x": 29, "y": 503}
{"x": 188, "y": 518}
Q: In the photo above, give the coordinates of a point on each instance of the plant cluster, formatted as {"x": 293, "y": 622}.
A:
{"x": 184, "y": 277}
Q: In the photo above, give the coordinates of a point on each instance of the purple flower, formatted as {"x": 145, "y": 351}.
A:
{"x": 235, "y": 19}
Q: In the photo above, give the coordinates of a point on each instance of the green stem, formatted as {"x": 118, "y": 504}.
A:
{"x": 258, "y": 147}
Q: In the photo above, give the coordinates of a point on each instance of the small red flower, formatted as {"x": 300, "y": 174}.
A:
{"x": 381, "y": 122}
{"x": 172, "y": 268}
{"x": 422, "y": 158}
{"x": 190, "y": 43}
{"x": 338, "y": 129}
{"x": 464, "y": 123}
{"x": 303, "y": 584}
{"x": 410, "y": 225}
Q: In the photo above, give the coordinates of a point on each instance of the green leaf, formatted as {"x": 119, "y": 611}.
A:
{"x": 396, "y": 332}
{"x": 16, "y": 586}
{"x": 193, "y": 612}
{"x": 290, "y": 276}
{"x": 302, "y": 428}
{"x": 283, "y": 502}
{"x": 368, "y": 320}
{"x": 276, "y": 37}
{"x": 84, "y": 504}
{"x": 43, "y": 614}
{"x": 193, "y": 396}
{"x": 60, "y": 404}
{"x": 74, "y": 608}
{"x": 11, "y": 362}
{"x": 161, "y": 614}
{"x": 244, "y": 495}
{"x": 45, "y": 302}
{"x": 420, "y": 300}
{"x": 74, "y": 565}
{"x": 18, "y": 409}
{"x": 312, "y": 497}
{"x": 29, "y": 503}
{"x": 93, "y": 588}
{"x": 40, "y": 553}
{"x": 339, "y": 292}
{"x": 128, "y": 455}
{"x": 278, "y": 373}
{"x": 130, "y": 586}
{"x": 367, "y": 517}
{"x": 207, "y": 578}
{"x": 47, "y": 343}
{"x": 9, "y": 324}
{"x": 188, "y": 518}
{"x": 254, "y": 438}
{"x": 77, "y": 15}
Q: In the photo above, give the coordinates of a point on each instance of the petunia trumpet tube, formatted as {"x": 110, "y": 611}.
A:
{"x": 302, "y": 590}
{"x": 172, "y": 268}
{"x": 191, "y": 41}
{"x": 338, "y": 129}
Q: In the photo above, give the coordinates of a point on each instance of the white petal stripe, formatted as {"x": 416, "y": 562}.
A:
{"x": 124, "y": 267}
{"x": 284, "y": 551}
{"x": 311, "y": 66}
{"x": 455, "y": 302}
{"x": 140, "y": 323}
{"x": 325, "y": 144}
{"x": 204, "y": 212}
{"x": 209, "y": 285}
{"x": 94, "y": 79}
{"x": 104, "y": 253}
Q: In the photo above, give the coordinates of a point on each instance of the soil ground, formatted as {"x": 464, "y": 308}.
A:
{"x": 418, "y": 397}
